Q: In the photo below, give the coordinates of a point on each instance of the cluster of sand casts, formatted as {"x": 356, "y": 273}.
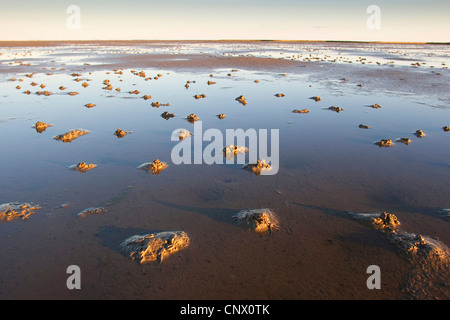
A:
{"x": 152, "y": 247}
{"x": 430, "y": 255}
{"x": 72, "y": 135}
{"x": 155, "y": 246}
{"x": 430, "y": 258}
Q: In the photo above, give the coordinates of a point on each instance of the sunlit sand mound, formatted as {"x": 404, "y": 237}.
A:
{"x": 384, "y": 143}
{"x": 183, "y": 134}
{"x": 82, "y": 167}
{"x": 192, "y": 118}
{"x": 119, "y": 133}
{"x": 71, "y": 135}
{"x": 231, "y": 151}
{"x": 415, "y": 245}
{"x": 300, "y": 111}
{"x": 258, "y": 167}
{"x": 91, "y": 211}
{"x": 336, "y": 109}
{"x": 404, "y": 140}
{"x": 385, "y": 221}
{"x": 379, "y": 221}
{"x": 41, "y": 126}
{"x": 242, "y": 100}
{"x": 419, "y": 133}
{"x": 155, "y": 247}
{"x": 13, "y": 211}
{"x": 200, "y": 96}
{"x": 154, "y": 167}
{"x": 167, "y": 115}
{"x": 45, "y": 93}
{"x": 259, "y": 220}
{"x": 158, "y": 104}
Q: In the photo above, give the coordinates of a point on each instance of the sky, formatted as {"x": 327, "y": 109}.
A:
{"x": 394, "y": 20}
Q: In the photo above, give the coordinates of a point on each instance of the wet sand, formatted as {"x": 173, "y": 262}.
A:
{"x": 320, "y": 179}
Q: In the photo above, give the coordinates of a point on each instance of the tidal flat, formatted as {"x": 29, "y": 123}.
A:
{"x": 338, "y": 154}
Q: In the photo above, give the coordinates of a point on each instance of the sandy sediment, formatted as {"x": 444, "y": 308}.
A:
{"x": 232, "y": 151}
{"x": 167, "y": 115}
{"x": 258, "y": 220}
{"x": 82, "y": 167}
{"x": 14, "y": 210}
{"x": 154, "y": 167}
{"x": 384, "y": 143}
{"x": 71, "y": 135}
{"x": 41, "y": 126}
{"x": 155, "y": 246}
{"x": 192, "y": 118}
{"x": 183, "y": 134}
{"x": 119, "y": 133}
{"x": 91, "y": 211}
{"x": 259, "y": 167}
{"x": 300, "y": 111}
{"x": 429, "y": 257}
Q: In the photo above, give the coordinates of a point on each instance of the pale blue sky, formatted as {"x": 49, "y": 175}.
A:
{"x": 231, "y": 19}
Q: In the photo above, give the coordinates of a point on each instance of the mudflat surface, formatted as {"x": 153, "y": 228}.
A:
{"x": 327, "y": 167}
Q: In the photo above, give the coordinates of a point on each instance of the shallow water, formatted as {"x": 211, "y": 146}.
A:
{"x": 327, "y": 165}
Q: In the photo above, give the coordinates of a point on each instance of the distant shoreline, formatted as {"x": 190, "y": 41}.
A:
{"x": 33, "y": 43}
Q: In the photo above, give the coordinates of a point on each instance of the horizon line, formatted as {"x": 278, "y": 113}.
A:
{"x": 225, "y": 40}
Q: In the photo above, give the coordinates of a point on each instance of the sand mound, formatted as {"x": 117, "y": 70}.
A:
{"x": 258, "y": 167}
{"x": 156, "y": 246}
{"x": 300, "y": 111}
{"x": 404, "y": 140}
{"x": 379, "y": 221}
{"x": 158, "y": 104}
{"x": 91, "y": 211}
{"x": 419, "y": 134}
{"x": 41, "y": 126}
{"x": 231, "y": 151}
{"x": 13, "y": 211}
{"x": 82, "y": 167}
{"x": 167, "y": 115}
{"x": 154, "y": 167}
{"x": 192, "y": 118}
{"x": 242, "y": 99}
{"x": 259, "y": 220}
{"x": 384, "y": 143}
{"x": 336, "y": 109}
{"x": 183, "y": 134}
{"x": 71, "y": 135}
{"x": 119, "y": 133}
